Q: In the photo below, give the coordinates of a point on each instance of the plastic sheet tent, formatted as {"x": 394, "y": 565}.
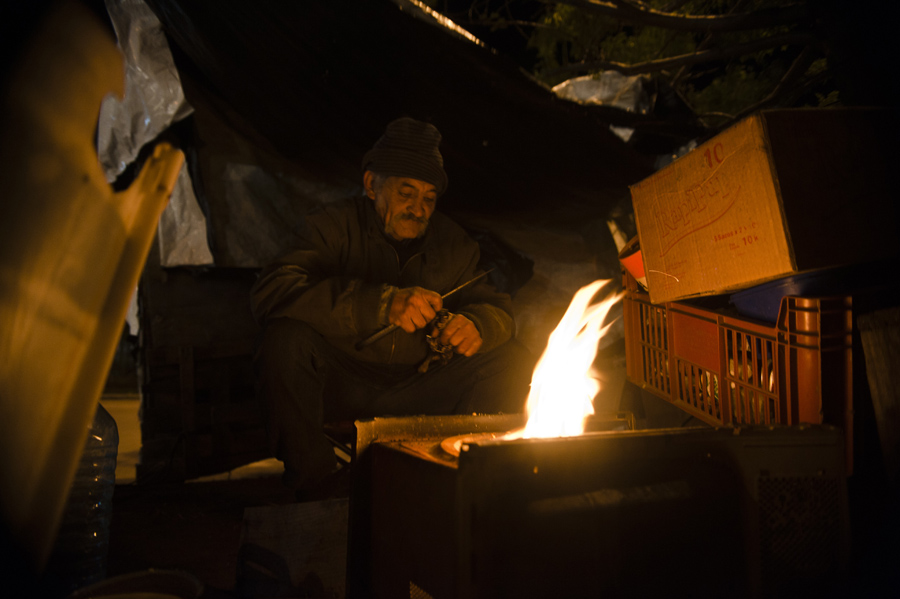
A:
{"x": 289, "y": 96}
{"x": 609, "y": 88}
{"x": 152, "y": 102}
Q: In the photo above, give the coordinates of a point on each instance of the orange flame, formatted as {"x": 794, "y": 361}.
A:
{"x": 562, "y": 388}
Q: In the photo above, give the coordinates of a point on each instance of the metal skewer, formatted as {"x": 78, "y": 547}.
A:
{"x": 390, "y": 329}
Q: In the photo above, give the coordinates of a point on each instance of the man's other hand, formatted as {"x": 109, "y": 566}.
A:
{"x": 462, "y": 334}
{"x": 413, "y": 308}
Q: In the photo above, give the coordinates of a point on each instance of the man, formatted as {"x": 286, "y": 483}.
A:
{"x": 382, "y": 259}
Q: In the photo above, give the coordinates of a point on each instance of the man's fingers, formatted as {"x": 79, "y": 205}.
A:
{"x": 467, "y": 345}
{"x": 426, "y": 313}
{"x": 471, "y": 347}
{"x": 413, "y": 308}
{"x": 462, "y": 340}
{"x": 435, "y": 301}
{"x": 429, "y": 303}
{"x": 412, "y": 320}
{"x": 462, "y": 334}
{"x": 452, "y": 329}
{"x": 419, "y": 319}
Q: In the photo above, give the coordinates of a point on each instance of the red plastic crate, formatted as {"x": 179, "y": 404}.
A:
{"x": 726, "y": 370}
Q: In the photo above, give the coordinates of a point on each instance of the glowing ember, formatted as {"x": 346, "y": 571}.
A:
{"x": 562, "y": 388}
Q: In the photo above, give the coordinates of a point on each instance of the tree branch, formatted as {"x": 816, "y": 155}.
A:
{"x": 641, "y": 15}
{"x": 774, "y": 41}
{"x": 707, "y": 40}
{"x": 674, "y": 5}
{"x": 798, "y": 68}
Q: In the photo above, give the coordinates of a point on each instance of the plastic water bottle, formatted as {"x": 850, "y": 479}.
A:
{"x": 82, "y": 545}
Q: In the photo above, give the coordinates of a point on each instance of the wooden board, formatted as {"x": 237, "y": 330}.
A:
{"x": 71, "y": 252}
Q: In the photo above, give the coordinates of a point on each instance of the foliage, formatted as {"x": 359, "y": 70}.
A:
{"x": 770, "y": 59}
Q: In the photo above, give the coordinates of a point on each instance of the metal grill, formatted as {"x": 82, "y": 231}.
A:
{"x": 800, "y": 527}
{"x": 588, "y": 516}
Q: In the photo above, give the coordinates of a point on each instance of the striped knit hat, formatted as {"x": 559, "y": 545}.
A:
{"x": 408, "y": 148}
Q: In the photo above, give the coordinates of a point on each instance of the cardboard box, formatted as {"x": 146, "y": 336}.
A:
{"x": 779, "y": 192}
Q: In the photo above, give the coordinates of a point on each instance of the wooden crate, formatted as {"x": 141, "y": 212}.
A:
{"x": 199, "y": 415}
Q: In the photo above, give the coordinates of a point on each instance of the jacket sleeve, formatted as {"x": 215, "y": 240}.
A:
{"x": 489, "y": 309}
{"x": 301, "y": 285}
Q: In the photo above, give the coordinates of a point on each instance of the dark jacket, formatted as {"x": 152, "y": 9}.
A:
{"x": 340, "y": 278}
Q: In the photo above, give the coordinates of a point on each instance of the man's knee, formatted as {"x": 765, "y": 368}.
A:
{"x": 498, "y": 381}
{"x": 512, "y": 358}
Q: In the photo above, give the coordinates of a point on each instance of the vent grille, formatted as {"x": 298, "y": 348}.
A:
{"x": 801, "y": 532}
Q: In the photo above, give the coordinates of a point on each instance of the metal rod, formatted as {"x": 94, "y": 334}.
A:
{"x": 391, "y": 328}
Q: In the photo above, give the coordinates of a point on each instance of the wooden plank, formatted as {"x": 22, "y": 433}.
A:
{"x": 72, "y": 252}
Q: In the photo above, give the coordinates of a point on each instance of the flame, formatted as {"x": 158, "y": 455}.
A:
{"x": 562, "y": 388}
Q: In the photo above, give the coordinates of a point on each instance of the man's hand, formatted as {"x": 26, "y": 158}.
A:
{"x": 413, "y": 308}
{"x": 462, "y": 334}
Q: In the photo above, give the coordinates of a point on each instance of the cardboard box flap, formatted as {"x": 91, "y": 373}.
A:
{"x": 779, "y": 192}
{"x": 710, "y": 207}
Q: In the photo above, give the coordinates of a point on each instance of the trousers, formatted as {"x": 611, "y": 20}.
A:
{"x": 303, "y": 381}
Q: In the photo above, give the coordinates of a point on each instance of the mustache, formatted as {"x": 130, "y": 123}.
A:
{"x": 414, "y": 218}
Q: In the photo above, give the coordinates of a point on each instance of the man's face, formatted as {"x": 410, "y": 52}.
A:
{"x": 404, "y": 205}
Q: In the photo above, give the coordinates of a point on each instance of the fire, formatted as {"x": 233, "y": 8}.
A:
{"x": 562, "y": 388}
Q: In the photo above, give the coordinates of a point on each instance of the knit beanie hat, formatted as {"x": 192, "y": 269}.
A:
{"x": 408, "y": 148}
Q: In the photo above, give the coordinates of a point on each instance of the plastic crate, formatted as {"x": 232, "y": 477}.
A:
{"x": 727, "y": 370}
